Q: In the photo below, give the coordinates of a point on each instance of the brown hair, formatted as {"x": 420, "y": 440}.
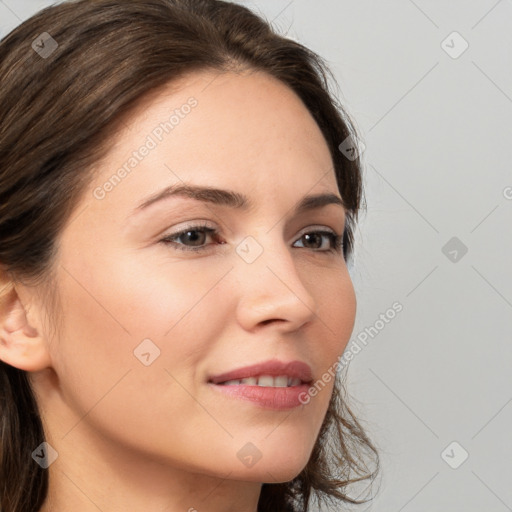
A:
{"x": 59, "y": 110}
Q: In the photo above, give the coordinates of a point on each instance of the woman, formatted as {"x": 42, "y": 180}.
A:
{"x": 175, "y": 224}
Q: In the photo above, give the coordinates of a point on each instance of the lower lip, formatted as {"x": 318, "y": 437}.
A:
{"x": 267, "y": 397}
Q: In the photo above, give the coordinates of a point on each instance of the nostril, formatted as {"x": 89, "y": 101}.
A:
{"x": 265, "y": 322}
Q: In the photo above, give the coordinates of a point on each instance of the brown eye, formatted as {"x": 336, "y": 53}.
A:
{"x": 194, "y": 234}
{"x": 315, "y": 238}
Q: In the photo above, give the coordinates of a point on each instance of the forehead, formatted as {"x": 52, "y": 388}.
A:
{"x": 218, "y": 129}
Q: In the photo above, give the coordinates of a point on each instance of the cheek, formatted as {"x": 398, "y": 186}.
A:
{"x": 109, "y": 312}
{"x": 114, "y": 314}
{"x": 133, "y": 299}
{"x": 337, "y": 306}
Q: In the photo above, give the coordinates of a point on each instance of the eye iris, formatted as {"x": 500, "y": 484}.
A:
{"x": 193, "y": 238}
{"x": 316, "y": 236}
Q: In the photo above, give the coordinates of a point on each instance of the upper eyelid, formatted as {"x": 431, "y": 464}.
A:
{"x": 204, "y": 226}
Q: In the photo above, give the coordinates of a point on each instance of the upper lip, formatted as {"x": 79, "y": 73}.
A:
{"x": 273, "y": 367}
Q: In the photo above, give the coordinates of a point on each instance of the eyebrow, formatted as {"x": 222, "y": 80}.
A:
{"x": 232, "y": 199}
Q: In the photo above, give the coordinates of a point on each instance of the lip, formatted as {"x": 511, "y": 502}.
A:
{"x": 265, "y": 397}
{"x": 276, "y": 398}
{"x": 272, "y": 367}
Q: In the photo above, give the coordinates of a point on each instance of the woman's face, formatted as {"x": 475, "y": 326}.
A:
{"x": 148, "y": 323}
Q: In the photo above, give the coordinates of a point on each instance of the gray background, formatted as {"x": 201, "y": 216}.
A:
{"x": 437, "y": 130}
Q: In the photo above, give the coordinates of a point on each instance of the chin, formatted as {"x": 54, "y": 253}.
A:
{"x": 276, "y": 468}
{"x": 283, "y": 474}
{"x": 270, "y": 473}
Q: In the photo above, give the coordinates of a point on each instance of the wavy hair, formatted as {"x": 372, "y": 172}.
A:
{"x": 60, "y": 106}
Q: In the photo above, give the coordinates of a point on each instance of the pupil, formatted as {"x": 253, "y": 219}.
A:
{"x": 309, "y": 236}
{"x": 193, "y": 239}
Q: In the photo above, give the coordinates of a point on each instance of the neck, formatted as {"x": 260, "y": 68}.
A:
{"x": 94, "y": 473}
{"x": 87, "y": 480}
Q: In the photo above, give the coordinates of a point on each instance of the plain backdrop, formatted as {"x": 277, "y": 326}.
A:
{"x": 429, "y": 86}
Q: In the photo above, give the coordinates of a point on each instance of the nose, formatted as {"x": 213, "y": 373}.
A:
{"x": 272, "y": 290}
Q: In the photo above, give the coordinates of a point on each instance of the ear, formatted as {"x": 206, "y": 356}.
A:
{"x": 22, "y": 344}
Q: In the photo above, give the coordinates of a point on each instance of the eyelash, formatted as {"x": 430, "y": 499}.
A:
{"x": 336, "y": 240}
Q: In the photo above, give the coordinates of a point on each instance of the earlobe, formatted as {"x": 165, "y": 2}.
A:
{"x": 21, "y": 344}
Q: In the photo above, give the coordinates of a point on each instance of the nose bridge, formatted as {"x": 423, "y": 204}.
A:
{"x": 269, "y": 285}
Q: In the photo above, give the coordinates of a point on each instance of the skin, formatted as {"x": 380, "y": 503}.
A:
{"x": 157, "y": 438}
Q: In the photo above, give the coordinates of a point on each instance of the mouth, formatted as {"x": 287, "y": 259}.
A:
{"x": 271, "y": 385}
{"x": 265, "y": 381}
{"x": 271, "y": 373}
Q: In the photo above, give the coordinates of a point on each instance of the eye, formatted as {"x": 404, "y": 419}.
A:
{"x": 197, "y": 234}
{"x": 190, "y": 233}
{"x": 316, "y": 236}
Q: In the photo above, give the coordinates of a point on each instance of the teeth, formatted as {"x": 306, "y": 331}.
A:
{"x": 250, "y": 381}
{"x": 281, "y": 381}
{"x": 231, "y": 383}
{"x": 266, "y": 380}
